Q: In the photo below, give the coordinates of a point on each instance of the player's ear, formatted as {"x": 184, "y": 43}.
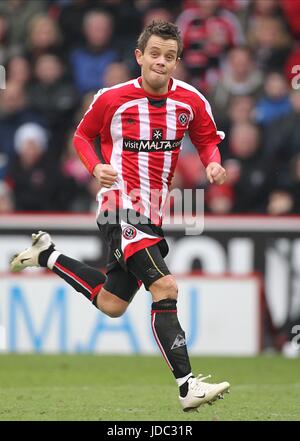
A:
{"x": 138, "y": 56}
{"x": 177, "y": 61}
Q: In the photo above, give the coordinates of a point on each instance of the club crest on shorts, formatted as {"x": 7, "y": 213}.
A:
{"x": 129, "y": 232}
{"x": 183, "y": 119}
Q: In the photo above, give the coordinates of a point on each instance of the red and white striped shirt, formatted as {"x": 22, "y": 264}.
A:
{"x": 141, "y": 137}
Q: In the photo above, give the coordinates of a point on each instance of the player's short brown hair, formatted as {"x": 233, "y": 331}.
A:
{"x": 162, "y": 29}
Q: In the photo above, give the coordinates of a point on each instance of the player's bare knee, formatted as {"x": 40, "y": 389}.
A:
{"x": 111, "y": 310}
{"x": 164, "y": 288}
{"x": 110, "y": 305}
{"x": 114, "y": 313}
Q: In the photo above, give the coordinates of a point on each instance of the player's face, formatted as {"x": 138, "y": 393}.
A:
{"x": 157, "y": 64}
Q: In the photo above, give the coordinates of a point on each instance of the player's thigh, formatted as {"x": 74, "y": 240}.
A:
{"x": 149, "y": 266}
{"x": 118, "y": 291}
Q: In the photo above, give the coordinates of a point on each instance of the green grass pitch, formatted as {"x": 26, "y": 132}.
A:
{"x": 140, "y": 388}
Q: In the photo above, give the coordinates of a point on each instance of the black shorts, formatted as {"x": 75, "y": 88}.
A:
{"x": 135, "y": 253}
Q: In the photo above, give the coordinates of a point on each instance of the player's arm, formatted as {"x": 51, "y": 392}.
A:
{"x": 205, "y": 137}
{"x": 88, "y": 129}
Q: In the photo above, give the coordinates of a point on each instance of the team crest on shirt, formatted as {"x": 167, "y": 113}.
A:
{"x": 183, "y": 119}
{"x": 129, "y": 233}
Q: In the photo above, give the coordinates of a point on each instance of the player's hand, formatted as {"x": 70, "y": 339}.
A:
{"x": 105, "y": 175}
{"x": 216, "y": 174}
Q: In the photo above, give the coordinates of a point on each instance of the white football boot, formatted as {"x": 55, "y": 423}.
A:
{"x": 200, "y": 392}
{"x": 29, "y": 257}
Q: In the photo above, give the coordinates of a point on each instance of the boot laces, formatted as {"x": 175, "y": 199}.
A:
{"x": 198, "y": 384}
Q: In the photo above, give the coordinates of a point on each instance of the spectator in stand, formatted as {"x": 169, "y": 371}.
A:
{"x": 85, "y": 103}
{"x": 14, "y": 111}
{"x": 3, "y": 39}
{"x": 116, "y": 73}
{"x": 275, "y": 101}
{"x": 53, "y": 95}
{"x": 251, "y": 174}
{"x": 128, "y": 16}
{"x": 208, "y": 31}
{"x": 239, "y": 76}
{"x": 89, "y": 62}
{"x": 181, "y": 72}
{"x": 157, "y": 12}
{"x": 284, "y": 196}
{"x": 19, "y": 70}
{"x": 72, "y": 168}
{"x": 282, "y": 140}
{"x": 43, "y": 37}
{"x": 219, "y": 200}
{"x": 70, "y": 19}
{"x": 6, "y": 198}
{"x": 261, "y": 8}
{"x": 36, "y": 181}
{"x": 280, "y": 202}
{"x": 270, "y": 43}
{"x": 128, "y": 19}
{"x": 19, "y": 13}
{"x": 190, "y": 172}
{"x": 240, "y": 110}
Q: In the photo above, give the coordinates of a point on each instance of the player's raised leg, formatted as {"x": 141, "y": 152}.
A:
{"x": 42, "y": 252}
{"x": 93, "y": 284}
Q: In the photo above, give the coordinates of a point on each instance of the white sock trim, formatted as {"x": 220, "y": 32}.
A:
{"x": 181, "y": 381}
{"x": 52, "y": 259}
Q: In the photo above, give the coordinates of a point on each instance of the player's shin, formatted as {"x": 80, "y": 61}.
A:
{"x": 81, "y": 277}
{"x": 170, "y": 338}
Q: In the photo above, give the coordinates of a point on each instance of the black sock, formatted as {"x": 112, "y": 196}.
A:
{"x": 170, "y": 337}
{"x": 183, "y": 390}
{"x": 44, "y": 256}
{"x": 82, "y": 277}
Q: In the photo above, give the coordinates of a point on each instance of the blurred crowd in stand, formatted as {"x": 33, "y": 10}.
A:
{"x": 242, "y": 55}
